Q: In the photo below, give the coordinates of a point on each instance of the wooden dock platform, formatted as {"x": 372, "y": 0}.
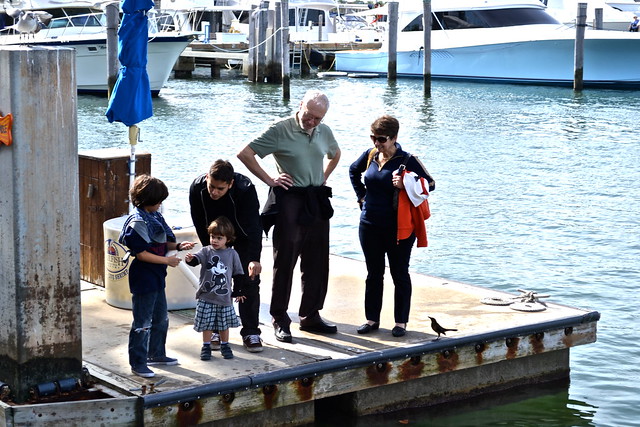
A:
{"x": 495, "y": 348}
{"x": 218, "y": 55}
{"x": 214, "y": 56}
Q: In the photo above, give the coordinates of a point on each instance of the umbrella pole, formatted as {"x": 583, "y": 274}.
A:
{"x": 134, "y": 135}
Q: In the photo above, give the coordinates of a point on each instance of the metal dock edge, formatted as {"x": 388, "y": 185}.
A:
{"x": 470, "y": 356}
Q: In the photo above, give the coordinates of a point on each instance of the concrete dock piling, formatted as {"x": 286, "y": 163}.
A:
{"x": 40, "y": 340}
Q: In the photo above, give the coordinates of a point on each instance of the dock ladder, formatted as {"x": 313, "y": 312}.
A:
{"x": 296, "y": 57}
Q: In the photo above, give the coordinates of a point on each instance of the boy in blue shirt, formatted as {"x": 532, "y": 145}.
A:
{"x": 149, "y": 238}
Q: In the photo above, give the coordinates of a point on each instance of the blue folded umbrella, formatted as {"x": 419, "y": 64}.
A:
{"x": 130, "y": 101}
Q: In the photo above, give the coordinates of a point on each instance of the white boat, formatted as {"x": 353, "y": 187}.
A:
{"x": 339, "y": 24}
{"x": 514, "y": 41}
{"x": 613, "y": 18}
{"x": 625, "y": 6}
{"x": 82, "y": 26}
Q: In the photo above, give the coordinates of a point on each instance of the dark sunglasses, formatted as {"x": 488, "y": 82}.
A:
{"x": 379, "y": 139}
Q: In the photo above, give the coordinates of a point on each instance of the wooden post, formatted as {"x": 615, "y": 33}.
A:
{"x": 112, "y": 15}
{"x": 215, "y": 24}
{"x": 599, "y": 24}
{"x": 252, "y": 59}
{"x": 269, "y": 45}
{"x": 261, "y": 46}
{"x": 216, "y": 64}
{"x": 393, "y": 40}
{"x": 41, "y": 337}
{"x": 286, "y": 64}
{"x": 426, "y": 70}
{"x": 276, "y": 68}
{"x": 184, "y": 67}
{"x": 305, "y": 66}
{"x": 578, "y": 72}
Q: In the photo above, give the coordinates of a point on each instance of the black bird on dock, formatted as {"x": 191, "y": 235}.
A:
{"x": 439, "y": 329}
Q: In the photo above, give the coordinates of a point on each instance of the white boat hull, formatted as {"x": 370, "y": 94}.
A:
{"x": 91, "y": 63}
{"x": 91, "y": 60}
{"x": 78, "y": 26}
{"x": 607, "y": 60}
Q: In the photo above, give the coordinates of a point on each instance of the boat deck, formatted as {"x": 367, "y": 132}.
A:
{"x": 509, "y": 346}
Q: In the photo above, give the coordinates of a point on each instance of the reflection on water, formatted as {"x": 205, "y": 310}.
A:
{"x": 542, "y": 405}
{"x": 536, "y": 189}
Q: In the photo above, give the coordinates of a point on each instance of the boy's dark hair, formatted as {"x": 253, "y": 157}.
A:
{"x": 386, "y": 125}
{"x": 221, "y": 170}
{"x": 147, "y": 191}
{"x": 221, "y": 226}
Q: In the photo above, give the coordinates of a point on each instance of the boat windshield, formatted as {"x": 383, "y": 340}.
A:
{"x": 495, "y": 18}
{"x": 76, "y": 17}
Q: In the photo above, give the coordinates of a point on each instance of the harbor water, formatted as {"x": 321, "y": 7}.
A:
{"x": 537, "y": 189}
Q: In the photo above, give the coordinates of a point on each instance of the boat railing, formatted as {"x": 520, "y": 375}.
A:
{"x": 180, "y": 21}
{"x": 70, "y": 24}
{"x": 86, "y": 23}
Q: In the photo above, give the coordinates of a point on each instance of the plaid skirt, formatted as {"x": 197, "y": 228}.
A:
{"x": 212, "y": 317}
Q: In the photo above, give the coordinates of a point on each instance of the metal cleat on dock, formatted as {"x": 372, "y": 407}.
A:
{"x": 527, "y": 301}
{"x": 149, "y": 388}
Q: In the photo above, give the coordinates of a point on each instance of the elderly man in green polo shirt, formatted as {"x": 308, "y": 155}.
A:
{"x": 298, "y": 208}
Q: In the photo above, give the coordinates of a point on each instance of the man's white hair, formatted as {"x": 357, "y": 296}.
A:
{"x": 316, "y": 97}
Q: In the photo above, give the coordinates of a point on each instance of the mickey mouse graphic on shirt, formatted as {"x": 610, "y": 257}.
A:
{"x": 218, "y": 283}
{"x": 218, "y": 269}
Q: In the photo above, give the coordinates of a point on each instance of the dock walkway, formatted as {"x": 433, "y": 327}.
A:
{"x": 495, "y": 347}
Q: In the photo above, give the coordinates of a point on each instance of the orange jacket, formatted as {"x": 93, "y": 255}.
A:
{"x": 411, "y": 218}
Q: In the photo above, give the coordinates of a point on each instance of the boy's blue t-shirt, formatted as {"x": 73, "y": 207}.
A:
{"x": 145, "y": 277}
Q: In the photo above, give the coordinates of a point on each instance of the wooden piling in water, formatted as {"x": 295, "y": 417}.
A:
{"x": 305, "y": 66}
{"x": 252, "y": 59}
{"x": 261, "y": 47}
{"x": 393, "y": 40}
{"x": 286, "y": 67}
{"x": 111, "y": 13}
{"x": 599, "y": 21}
{"x": 426, "y": 23}
{"x": 276, "y": 62}
{"x": 578, "y": 72}
{"x": 184, "y": 67}
{"x": 41, "y": 337}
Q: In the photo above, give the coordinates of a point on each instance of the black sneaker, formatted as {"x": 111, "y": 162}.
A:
{"x": 252, "y": 343}
{"x": 205, "y": 352}
{"x": 226, "y": 352}
{"x": 162, "y": 360}
{"x": 143, "y": 372}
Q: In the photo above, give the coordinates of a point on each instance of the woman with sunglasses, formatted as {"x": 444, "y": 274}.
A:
{"x": 376, "y": 180}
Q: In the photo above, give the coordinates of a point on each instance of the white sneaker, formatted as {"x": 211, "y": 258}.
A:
{"x": 215, "y": 342}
